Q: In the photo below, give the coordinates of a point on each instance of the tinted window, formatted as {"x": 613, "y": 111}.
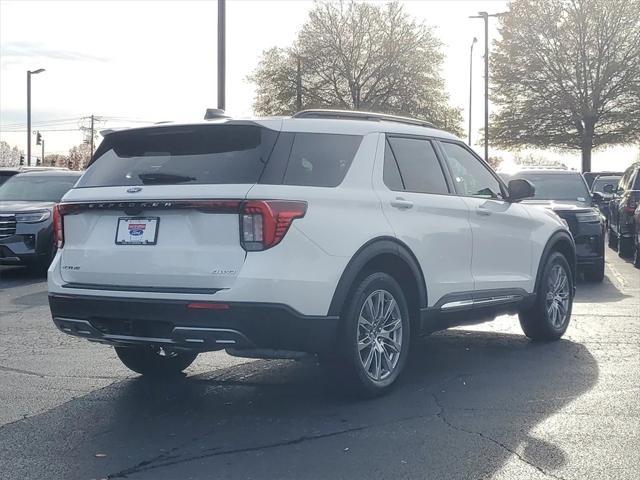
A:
{"x": 557, "y": 186}
{"x": 319, "y": 159}
{"x": 37, "y": 188}
{"x": 471, "y": 177}
{"x": 636, "y": 184}
{"x": 600, "y": 182}
{"x": 391, "y": 174}
{"x": 419, "y": 166}
{"x": 199, "y": 154}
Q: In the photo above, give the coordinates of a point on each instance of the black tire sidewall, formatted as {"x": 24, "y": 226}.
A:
{"x": 145, "y": 361}
{"x": 370, "y": 283}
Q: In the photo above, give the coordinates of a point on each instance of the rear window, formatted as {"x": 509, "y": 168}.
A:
{"x": 319, "y": 159}
{"x": 199, "y": 154}
{"x": 214, "y": 154}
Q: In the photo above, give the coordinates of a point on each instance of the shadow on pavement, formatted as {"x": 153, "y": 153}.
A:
{"x": 591, "y": 292}
{"x": 15, "y": 276}
{"x": 468, "y": 402}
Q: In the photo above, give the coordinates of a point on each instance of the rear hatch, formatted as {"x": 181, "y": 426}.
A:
{"x": 158, "y": 208}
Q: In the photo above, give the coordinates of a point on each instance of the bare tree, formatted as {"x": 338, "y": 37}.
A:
{"x": 9, "y": 157}
{"x": 566, "y": 74}
{"x": 359, "y": 56}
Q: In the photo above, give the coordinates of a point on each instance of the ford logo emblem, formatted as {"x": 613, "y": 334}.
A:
{"x": 134, "y": 189}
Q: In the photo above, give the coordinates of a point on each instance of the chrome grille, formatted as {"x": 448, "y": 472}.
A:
{"x": 7, "y": 225}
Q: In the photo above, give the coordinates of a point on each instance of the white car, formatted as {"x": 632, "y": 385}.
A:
{"x": 344, "y": 234}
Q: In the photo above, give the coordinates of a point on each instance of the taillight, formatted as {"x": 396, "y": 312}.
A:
{"x": 58, "y": 230}
{"x": 264, "y": 223}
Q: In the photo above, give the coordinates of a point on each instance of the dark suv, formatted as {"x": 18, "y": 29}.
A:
{"x": 26, "y": 216}
{"x": 621, "y": 208}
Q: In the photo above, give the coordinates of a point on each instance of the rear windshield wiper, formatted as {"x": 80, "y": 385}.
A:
{"x": 163, "y": 178}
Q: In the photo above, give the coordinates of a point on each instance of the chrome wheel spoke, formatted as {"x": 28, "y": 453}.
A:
{"x": 558, "y": 296}
{"x": 377, "y": 368}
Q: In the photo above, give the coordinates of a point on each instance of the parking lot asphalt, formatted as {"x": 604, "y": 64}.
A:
{"x": 478, "y": 402}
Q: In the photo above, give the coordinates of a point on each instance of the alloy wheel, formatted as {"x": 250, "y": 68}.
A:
{"x": 557, "y": 300}
{"x": 379, "y": 335}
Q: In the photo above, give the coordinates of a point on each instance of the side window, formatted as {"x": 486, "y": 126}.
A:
{"x": 319, "y": 159}
{"x": 420, "y": 170}
{"x": 470, "y": 176}
{"x": 391, "y": 174}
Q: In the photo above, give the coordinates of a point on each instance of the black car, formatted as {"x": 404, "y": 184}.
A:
{"x": 622, "y": 207}
{"x": 26, "y": 216}
{"x": 567, "y": 194}
{"x": 605, "y": 185}
{"x": 589, "y": 177}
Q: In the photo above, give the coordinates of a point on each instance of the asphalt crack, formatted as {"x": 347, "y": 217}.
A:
{"x": 151, "y": 464}
{"x": 505, "y": 447}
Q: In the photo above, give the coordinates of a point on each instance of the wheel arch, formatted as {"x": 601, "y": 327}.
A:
{"x": 389, "y": 255}
{"x": 561, "y": 241}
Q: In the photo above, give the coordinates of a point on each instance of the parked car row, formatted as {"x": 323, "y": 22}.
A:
{"x": 341, "y": 234}
{"x": 624, "y": 215}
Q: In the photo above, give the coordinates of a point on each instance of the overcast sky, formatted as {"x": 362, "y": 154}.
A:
{"x": 156, "y": 60}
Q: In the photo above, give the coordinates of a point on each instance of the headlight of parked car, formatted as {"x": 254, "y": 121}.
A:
{"x": 33, "y": 217}
{"x": 587, "y": 217}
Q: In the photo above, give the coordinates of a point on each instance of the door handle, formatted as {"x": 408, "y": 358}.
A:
{"x": 483, "y": 211}
{"x": 401, "y": 203}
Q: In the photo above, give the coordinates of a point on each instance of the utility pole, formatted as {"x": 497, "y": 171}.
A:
{"x": 91, "y": 143}
{"x": 29, "y": 73}
{"x": 475, "y": 40}
{"x": 221, "y": 54}
{"x": 42, "y": 162}
{"x": 485, "y": 16}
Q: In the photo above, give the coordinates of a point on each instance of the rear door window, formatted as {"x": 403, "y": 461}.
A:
{"x": 419, "y": 167}
{"x": 196, "y": 154}
{"x": 319, "y": 159}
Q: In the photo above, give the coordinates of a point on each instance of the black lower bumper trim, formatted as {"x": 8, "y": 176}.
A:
{"x": 120, "y": 321}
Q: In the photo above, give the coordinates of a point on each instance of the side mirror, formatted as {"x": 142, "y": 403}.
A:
{"x": 597, "y": 198}
{"x": 519, "y": 189}
{"x": 608, "y": 188}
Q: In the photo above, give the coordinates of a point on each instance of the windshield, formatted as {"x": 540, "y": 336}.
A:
{"x": 599, "y": 183}
{"x": 198, "y": 154}
{"x": 557, "y": 186}
{"x": 37, "y": 188}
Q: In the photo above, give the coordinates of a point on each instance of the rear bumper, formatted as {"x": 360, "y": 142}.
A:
{"x": 127, "y": 321}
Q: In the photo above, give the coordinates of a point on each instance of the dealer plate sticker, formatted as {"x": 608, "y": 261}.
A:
{"x": 137, "y": 231}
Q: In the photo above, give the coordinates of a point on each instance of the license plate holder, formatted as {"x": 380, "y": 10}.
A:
{"x": 137, "y": 230}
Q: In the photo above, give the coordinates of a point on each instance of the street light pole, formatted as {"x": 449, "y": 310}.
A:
{"x": 475, "y": 40}
{"x": 221, "y": 54}
{"x": 29, "y": 73}
{"x": 485, "y": 16}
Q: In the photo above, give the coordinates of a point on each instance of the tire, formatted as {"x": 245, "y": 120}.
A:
{"x": 624, "y": 247}
{"x": 374, "y": 344}
{"x": 594, "y": 273}
{"x": 545, "y": 321}
{"x": 151, "y": 362}
{"x": 612, "y": 239}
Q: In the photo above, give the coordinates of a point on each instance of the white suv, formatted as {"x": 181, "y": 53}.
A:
{"x": 344, "y": 234}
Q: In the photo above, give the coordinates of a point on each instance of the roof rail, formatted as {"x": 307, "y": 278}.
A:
{"x": 214, "y": 113}
{"x": 356, "y": 115}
